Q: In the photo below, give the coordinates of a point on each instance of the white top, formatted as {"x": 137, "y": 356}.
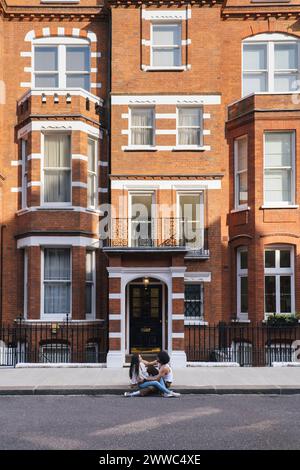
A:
{"x": 169, "y": 377}
{"x": 143, "y": 374}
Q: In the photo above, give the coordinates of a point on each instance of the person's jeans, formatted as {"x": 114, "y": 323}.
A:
{"x": 154, "y": 383}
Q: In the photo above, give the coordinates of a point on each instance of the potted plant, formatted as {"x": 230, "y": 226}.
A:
{"x": 282, "y": 319}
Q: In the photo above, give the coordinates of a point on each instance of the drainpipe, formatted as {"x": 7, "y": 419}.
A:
{"x": 1, "y": 272}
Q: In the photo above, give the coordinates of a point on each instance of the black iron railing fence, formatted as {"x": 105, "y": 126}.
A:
{"x": 249, "y": 345}
{"x": 67, "y": 342}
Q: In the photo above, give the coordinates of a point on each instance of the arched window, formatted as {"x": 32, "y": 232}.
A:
{"x": 61, "y": 62}
{"x": 270, "y": 64}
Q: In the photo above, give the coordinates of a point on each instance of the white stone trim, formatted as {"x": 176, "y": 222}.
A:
{"x": 78, "y": 156}
{"x": 92, "y": 36}
{"x": 61, "y": 92}
{"x": 46, "y": 31}
{"x": 114, "y": 316}
{"x": 177, "y": 335}
{"x": 16, "y": 162}
{"x": 101, "y": 163}
{"x": 96, "y": 55}
{"x": 27, "y": 69}
{"x": 34, "y": 156}
{"x": 165, "y": 131}
{"x": 25, "y": 54}
{"x": 25, "y": 84}
{"x": 79, "y": 184}
{"x": 102, "y": 190}
{"x": 197, "y": 276}
{"x": 166, "y": 184}
{"x": 176, "y": 316}
{"x": 171, "y": 148}
{"x": 96, "y": 85}
{"x": 60, "y": 1}
{"x": 206, "y": 116}
{"x": 76, "y": 32}
{"x": 60, "y": 240}
{"x": 60, "y": 125}
{"x": 61, "y": 31}
{"x": 114, "y": 296}
{"x": 186, "y": 42}
{"x": 32, "y": 184}
{"x": 30, "y": 36}
{"x": 114, "y": 335}
{"x": 15, "y": 190}
{"x": 165, "y": 99}
{"x": 65, "y": 208}
{"x": 177, "y": 296}
{"x": 183, "y": 14}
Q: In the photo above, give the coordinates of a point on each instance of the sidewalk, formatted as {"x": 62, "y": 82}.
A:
{"x": 98, "y": 381}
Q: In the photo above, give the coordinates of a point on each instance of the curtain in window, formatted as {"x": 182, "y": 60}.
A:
{"x": 142, "y": 126}
{"x": 89, "y": 283}
{"x": 189, "y": 121}
{"x": 57, "y": 167}
{"x": 166, "y": 45}
{"x": 57, "y": 277}
{"x": 92, "y": 174}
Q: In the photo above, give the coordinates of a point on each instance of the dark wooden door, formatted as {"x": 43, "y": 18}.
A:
{"x": 145, "y": 318}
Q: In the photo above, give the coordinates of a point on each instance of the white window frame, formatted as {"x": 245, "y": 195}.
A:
{"x": 62, "y": 43}
{"x": 42, "y": 169}
{"x": 200, "y": 194}
{"x": 270, "y": 39}
{"x": 153, "y": 216}
{"x": 24, "y": 158}
{"x": 281, "y": 204}
{"x": 237, "y": 205}
{"x": 92, "y": 315}
{"x": 201, "y": 302}
{"x": 200, "y": 145}
{"x": 93, "y": 174}
{"x": 277, "y": 272}
{"x": 142, "y": 147}
{"x": 56, "y": 316}
{"x": 161, "y": 46}
{"x": 241, "y": 273}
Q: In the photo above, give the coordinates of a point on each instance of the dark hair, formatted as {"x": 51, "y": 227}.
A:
{"x": 163, "y": 357}
{"x": 134, "y": 366}
{"x": 152, "y": 370}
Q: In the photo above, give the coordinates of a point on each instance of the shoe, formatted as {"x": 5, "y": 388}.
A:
{"x": 171, "y": 395}
{"x": 176, "y": 394}
{"x": 127, "y": 394}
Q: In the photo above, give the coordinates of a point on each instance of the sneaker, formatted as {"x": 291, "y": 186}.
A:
{"x": 175, "y": 394}
{"x": 127, "y": 394}
{"x": 171, "y": 395}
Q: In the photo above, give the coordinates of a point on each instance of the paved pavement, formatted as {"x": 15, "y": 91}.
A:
{"x": 114, "y": 422}
{"x": 271, "y": 380}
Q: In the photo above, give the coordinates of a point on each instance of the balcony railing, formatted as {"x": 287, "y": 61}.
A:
{"x": 160, "y": 233}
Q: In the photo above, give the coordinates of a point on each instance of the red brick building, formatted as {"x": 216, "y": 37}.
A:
{"x": 183, "y": 116}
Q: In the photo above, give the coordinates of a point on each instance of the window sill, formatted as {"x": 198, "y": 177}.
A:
{"x": 195, "y": 321}
{"x": 240, "y": 320}
{"x": 152, "y": 68}
{"x": 240, "y": 209}
{"x": 190, "y": 148}
{"x": 278, "y": 206}
{"x": 141, "y": 148}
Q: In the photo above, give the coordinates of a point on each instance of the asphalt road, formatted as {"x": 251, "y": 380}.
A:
{"x": 114, "y": 422}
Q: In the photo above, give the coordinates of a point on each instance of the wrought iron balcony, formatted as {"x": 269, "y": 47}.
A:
{"x": 168, "y": 234}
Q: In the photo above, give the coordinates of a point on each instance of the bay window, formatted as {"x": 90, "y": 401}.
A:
{"x": 141, "y": 126}
{"x": 242, "y": 284}
{"x": 57, "y": 169}
{"x": 279, "y": 280}
{"x": 241, "y": 172}
{"x": 61, "y": 65}
{"x": 92, "y": 174}
{"x": 279, "y": 168}
{"x": 270, "y": 64}
{"x": 166, "y": 45}
{"x": 57, "y": 281}
{"x": 189, "y": 126}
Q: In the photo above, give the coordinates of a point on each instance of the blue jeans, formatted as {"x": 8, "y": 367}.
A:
{"x": 153, "y": 383}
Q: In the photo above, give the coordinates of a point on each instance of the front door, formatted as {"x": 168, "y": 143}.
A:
{"x": 145, "y": 318}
